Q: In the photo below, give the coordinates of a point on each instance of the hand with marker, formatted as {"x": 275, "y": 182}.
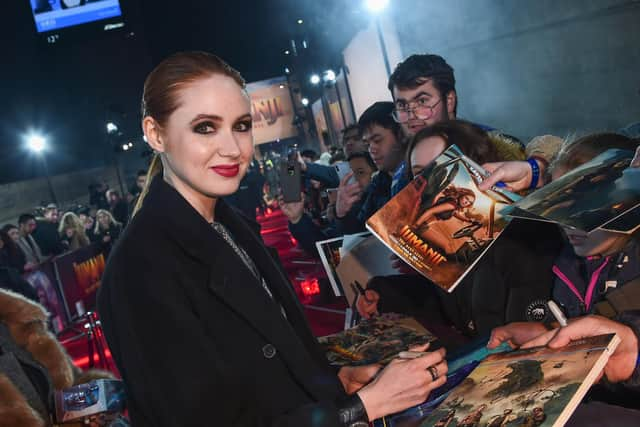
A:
{"x": 622, "y": 362}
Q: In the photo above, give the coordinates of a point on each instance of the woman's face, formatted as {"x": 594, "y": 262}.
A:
{"x": 207, "y": 143}
{"x": 425, "y": 152}
{"x": 598, "y": 242}
{"x": 362, "y": 171}
{"x": 69, "y": 232}
{"x": 103, "y": 220}
{"x": 466, "y": 200}
{"x": 14, "y": 234}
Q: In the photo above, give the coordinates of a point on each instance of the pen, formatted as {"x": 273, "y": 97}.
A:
{"x": 557, "y": 313}
{"x": 410, "y": 354}
{"x": 361, "y": 291}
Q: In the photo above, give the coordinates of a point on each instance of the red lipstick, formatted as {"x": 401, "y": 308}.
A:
{"x": 228, "y": 171}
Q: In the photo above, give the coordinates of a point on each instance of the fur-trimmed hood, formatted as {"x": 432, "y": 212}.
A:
{"x": 508, "y": 148}
{"x": 26, "y": 322}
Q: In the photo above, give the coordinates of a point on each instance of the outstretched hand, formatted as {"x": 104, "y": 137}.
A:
{"x": 516, "y": 175}
{"x": 515, "y": 334}
{"x": 622, "y": 362}
{"x": 348, "y": 195}
{"x": 292, "y": 210}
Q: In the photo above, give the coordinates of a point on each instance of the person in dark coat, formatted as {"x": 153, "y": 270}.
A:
{"x": 199, "y": 315}
{"x": 10, "y": 254}
{"x": 106, "y": 231}
{"x": 46, "y": 232}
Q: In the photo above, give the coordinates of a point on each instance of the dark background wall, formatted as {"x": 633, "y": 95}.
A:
{"x": 534, "y": 67}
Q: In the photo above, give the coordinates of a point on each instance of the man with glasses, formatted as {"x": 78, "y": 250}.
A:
{"x": 424, "y": 92}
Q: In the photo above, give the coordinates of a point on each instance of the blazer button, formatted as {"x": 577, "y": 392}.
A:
{"x": 269, "y": 351}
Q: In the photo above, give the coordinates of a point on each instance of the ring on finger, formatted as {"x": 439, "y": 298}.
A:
{"x": 433, "y": 371}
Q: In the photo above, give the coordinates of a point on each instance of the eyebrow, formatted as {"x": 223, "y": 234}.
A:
{"x": 217, "y": 118}
{"x": 206, "y": 116}
{"x": 418, "y": 95}
{"x": 374, "y": 136}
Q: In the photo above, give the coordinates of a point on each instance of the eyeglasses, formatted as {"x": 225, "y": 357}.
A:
{"x": 419, "y": 108}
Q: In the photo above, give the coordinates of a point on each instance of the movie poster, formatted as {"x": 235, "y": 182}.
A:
{"x": 271, "y": 110}
{"x": 441, "y": 224}
{"x": 602, "y": 193}
{"x": 375, "y": 340}
{"x": 80, "y": 274}
{"x": 44, "y": 282}
{"x": 532, "y": 387}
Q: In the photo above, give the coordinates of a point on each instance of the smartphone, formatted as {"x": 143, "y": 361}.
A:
{"x": 290, "y": 180}
{"x": 342, "y": 169}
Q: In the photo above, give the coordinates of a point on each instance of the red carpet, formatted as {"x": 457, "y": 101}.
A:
{"x": 324, "y": 312}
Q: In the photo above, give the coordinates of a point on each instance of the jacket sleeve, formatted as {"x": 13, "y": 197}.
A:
{"x": 327, "y": 175}
{"x": 307, "y": 234}
{"x": 174, "y": 371}
{"x": 632, "y": 320}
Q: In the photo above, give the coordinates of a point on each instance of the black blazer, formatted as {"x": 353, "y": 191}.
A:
{"x": 195, "y": 336}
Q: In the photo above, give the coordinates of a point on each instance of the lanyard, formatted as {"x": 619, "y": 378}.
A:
{"x": 586, "y": 301}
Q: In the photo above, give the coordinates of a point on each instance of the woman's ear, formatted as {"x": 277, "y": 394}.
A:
{"x": 151, "y": 130}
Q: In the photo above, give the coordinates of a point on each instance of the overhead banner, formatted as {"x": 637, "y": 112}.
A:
{"x": 271, "y": 110}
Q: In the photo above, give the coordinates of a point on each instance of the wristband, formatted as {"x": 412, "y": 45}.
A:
{"x": 535, "y": 173}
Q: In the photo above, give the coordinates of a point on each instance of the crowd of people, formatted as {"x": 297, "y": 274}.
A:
{"x": 531, "y": 263}
{"x": 200, "y": 317}
{"x": 46, "y": 232}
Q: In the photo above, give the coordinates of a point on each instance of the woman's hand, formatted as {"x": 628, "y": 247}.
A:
{"x": 403, "y": 384}
{"x": 367, "y": 304}
{"x": 348, "y": 195}
{"x": 622, "y": 362}
{"x": 516, "y": 334}
{"x": 353, "y": 378}
{"x": 517, "y": 175}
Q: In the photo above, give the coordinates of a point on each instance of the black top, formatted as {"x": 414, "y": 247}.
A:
{"x": 195, "y": 336}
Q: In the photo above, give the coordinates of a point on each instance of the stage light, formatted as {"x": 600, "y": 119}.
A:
{"x": 376, "y": 6}
{"x": 305, "y": 101}
{"x": 300, "y": 22}
{"x": 130, "y": 144}
{"x": 281, "y": 86}
{"x": 287, "y": 52}
{"x": 329, "y": 76}
{"x": 287, "y": 70}
{"x": 36, "y": 143}
{"x": 144, "y": 138}
{"x": 125, "y": 147}
{"x": 315, "y": 79}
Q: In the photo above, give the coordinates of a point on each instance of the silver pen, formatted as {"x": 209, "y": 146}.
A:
{"x": 557, "y": 313}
